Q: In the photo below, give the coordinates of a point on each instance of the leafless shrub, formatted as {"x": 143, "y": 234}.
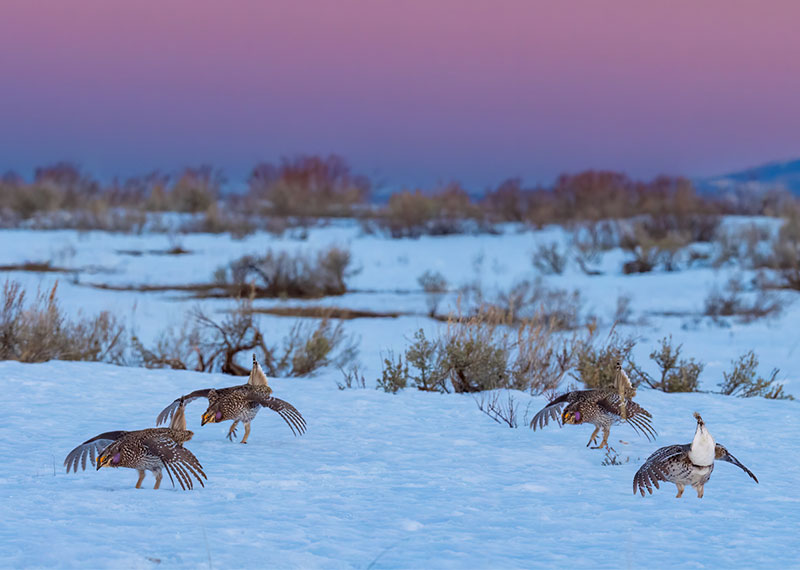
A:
{"x": 742, "y": 245}
{"x": 558, "y": 309}
{"x": 503, "y": 411}
{"x": 650, "y": 249}
{"x": 215, "y": 220}
{"x": 623, "y": 313}
{"x": 594, "y": 238}
{"x": 744, "y": 382}
{"x": 785, "y": 257}
{"x": 351, "y": 378}
{"x": 38, "y": 331}
{"x": 310, "y": 346}
{"x": 732, "y": 300}
{"x": 195, "y": 190}
{"x": 284, "y": 274}
{"x": 447, "y": 210}
{"x": 613, "y": 458}
{"x": 508, "y": 202}
{"x": 211, "y": 344}
{"x": 309, "y": 186}
{"x": 549, "y": 259}
{"x": 676, "y": 375}
{"x": 435, "y": 286}
{"x": 540, "y": 357}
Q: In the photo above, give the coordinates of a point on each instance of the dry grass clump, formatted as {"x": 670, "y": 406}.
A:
{"x": 208, "y": 344}
{"x": 36, "y": 330}
{"x": 284, "y": 274}
{"x": 743, "y": 381}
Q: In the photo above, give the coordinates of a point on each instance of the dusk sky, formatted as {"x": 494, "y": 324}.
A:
{"x": 410, "y": 92}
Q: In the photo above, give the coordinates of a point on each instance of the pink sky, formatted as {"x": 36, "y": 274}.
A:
{"x": 409, "y": 91}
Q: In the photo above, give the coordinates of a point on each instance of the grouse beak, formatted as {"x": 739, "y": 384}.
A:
{"x": 205, "y": 419}
{"x": 101, "y": 461}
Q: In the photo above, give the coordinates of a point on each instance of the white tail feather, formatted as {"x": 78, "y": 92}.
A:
{"x": 257, "y": 376}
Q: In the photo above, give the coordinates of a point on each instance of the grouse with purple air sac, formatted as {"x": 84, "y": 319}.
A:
{"x": 240, "y": 404}
{"x": 601, "y": 408}
{"x": 153, "y": 449}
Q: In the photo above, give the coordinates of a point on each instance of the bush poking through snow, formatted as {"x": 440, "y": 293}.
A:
{"x": 207, "y": 344}
{"x": 36, "y": 330}
{"x": 731, "y": 301}
{"x": 424, "y": 356}
{"x": 308, "y": 186}
{"x": 474, "y": 355}
{"x": 744, "y": 382}
{"x": 435, "y": 286}
{"x": 483, "y": 352}
{"x": 595, "y": 366}
{"x": 534, "y": 301}
{"x": 351, "y": 378}
{"x": 651, "y": 249}
{"x": 394, "y": 376}
{"x": 786, "y": 252}
{"x": 676, "y": 376}
{"x": 623, "y": 314}
{"x": 502, "y": 410}
{"x": 613, "y": 458}
{"x": 284, "y": 274}
{"x": 549, "y": 259}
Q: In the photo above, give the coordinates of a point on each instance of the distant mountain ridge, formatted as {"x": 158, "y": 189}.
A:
{"x": 784, "y": 174}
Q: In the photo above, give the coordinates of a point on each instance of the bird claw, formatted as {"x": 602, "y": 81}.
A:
{"x": 231, "y": 434}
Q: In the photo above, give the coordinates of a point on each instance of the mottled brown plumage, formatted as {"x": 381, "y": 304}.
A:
{"x": 153, "y": 449}
{"x": 240, "y": 404}
{"x": 601, "y": 408}
{"x": 687, "y": 464}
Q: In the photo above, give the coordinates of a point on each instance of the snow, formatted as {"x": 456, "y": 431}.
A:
{"x": 412, "y": 480}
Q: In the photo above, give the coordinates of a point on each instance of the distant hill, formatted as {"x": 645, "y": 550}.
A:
{"x": 784, "y": 174}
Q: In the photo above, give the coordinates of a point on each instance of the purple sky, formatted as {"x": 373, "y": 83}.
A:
{"x": 410, "y": 92}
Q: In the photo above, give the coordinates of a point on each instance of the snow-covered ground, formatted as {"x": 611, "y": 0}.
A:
{"x": 669, "y": 303}
{"x": 413, "y": 480}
